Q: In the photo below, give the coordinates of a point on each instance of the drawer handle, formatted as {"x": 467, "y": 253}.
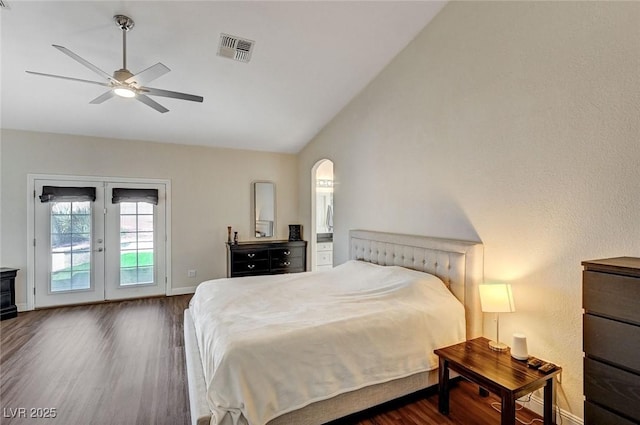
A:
{"x": 287, "y": 252}
{"x": 251, "y": 266}
{"x": 251, "y": 255}
{"x": 286, "y": 263}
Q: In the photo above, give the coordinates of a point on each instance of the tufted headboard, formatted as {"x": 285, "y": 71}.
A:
{"x": 460, "y": 264}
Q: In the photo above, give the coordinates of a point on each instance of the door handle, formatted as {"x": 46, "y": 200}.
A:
{"x": 98, "y": 250}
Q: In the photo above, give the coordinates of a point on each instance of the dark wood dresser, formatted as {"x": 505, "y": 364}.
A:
{"x": 611, "y": 341}
{"x": 8, "y": 307}
{"x": 260, "y": 258}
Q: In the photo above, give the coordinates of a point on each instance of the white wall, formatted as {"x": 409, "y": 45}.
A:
{"x": 211, "y": 189}
{"x": 513, "y": 123}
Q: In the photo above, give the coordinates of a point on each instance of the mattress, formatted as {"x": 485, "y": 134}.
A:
{"x": 273, "y": 344}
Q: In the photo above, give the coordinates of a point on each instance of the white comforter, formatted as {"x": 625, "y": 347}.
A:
{"x": 273, "y": 344}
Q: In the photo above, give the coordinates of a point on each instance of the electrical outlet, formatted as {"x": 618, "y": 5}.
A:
{"x": 191, "y": 273}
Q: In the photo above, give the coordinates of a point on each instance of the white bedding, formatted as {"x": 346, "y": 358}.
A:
{"x": 273, "y": 344}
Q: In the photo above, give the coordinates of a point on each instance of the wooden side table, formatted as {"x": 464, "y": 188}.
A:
{"x": 496, "y": 372}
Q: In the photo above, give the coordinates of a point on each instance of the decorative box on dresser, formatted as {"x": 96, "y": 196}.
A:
{"x": 260, "y": 258}
{"x": 611, "y": 341}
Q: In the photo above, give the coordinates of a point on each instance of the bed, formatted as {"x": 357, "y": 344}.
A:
{"x": 459, "y": 264}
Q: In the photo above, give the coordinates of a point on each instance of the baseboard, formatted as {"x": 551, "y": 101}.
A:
{"x": 172, "y": 292}
{"x": 182, "y": 290}
{"x": 566, "y": 418}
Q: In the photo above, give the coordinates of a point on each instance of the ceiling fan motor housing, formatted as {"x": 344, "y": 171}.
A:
{"x": 122, "y": 75}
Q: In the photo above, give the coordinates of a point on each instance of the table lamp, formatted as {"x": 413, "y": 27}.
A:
{"x": 497, "y": 298}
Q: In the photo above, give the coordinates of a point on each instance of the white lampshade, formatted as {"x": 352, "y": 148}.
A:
{"x": 496, "y": 298}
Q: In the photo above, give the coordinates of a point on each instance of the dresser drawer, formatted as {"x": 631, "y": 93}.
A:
{"x": 5, "y": 285}
{"x": 5, "y": 299}
{"x": 611, "y": 295}
{"x": 612, "y": 341}
{"x": 324, "y": 246}
{"x": 324, "y": 258}
{"x": 250, "y": 267}
{"x": 250, "y": 255}
{"x": 612, "y": 388}
{"x": 289, "y": 264}
{"x": 285, "y": 253}
{"x": 596, "y": 415}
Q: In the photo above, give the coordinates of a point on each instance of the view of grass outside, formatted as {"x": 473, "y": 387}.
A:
{"x": 71, "y": 237}
{"x": 131, "y": 273}
{"x": 136, "y": 243}
{"x": 136, "y": 267}
{"x": 70, "y": 246}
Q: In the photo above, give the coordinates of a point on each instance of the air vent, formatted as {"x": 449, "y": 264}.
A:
{"x": 235, "y": 48}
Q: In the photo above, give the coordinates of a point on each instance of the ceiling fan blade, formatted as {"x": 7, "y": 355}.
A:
{"x": 103, "y": 97}
{"x": 68, "y": 78}
{"x": 172, "y": 94}
{"x": 85, "y": 63}
{"x": 149, "y": 74}
{"x": 150, "y": 102}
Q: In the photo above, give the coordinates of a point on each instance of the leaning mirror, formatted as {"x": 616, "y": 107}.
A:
{"x": 264, "y": 201}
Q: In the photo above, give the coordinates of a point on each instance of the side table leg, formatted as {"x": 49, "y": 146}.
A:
{"x": 443, "y": 386}
{"x": 548, "y": 402}
{"x": 508, "y": 416}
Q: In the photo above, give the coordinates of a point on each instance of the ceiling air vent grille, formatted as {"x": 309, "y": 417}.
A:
{"x": 236, "y": 48}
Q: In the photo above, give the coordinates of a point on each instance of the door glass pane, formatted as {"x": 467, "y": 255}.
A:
{"x": 70, "y": 246}
{"x": 136, "y": 243}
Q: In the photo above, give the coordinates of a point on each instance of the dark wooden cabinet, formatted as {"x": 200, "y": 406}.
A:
{"x": 260, "y": 258}
{"x": 611, "y": 341}
{"x": 8, "y": 307}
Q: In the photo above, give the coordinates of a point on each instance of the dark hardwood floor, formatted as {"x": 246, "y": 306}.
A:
{"x": 123, "y": 363}
{"x": 113, "y": 363}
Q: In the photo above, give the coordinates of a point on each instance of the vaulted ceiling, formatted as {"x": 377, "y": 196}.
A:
{"x": 310, "y": 58}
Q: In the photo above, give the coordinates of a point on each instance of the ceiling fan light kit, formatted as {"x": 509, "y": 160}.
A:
{"x": 123, "y": 83}
{"x": 124, "y": 92}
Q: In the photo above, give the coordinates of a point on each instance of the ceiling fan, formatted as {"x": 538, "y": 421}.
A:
{"x": 123, "y": 83}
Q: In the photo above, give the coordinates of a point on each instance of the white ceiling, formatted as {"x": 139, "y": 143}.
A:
{"x": 309, "y": 60}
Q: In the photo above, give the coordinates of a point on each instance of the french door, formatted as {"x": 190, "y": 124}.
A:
{"x": 98, "y": 240}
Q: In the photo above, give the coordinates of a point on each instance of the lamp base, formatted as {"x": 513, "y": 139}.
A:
{"x": 498, "y": 346}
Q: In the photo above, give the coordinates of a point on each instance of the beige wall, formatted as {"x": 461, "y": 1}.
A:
{"x": 513, "y": 123}
{"x": 211, "y": 189}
